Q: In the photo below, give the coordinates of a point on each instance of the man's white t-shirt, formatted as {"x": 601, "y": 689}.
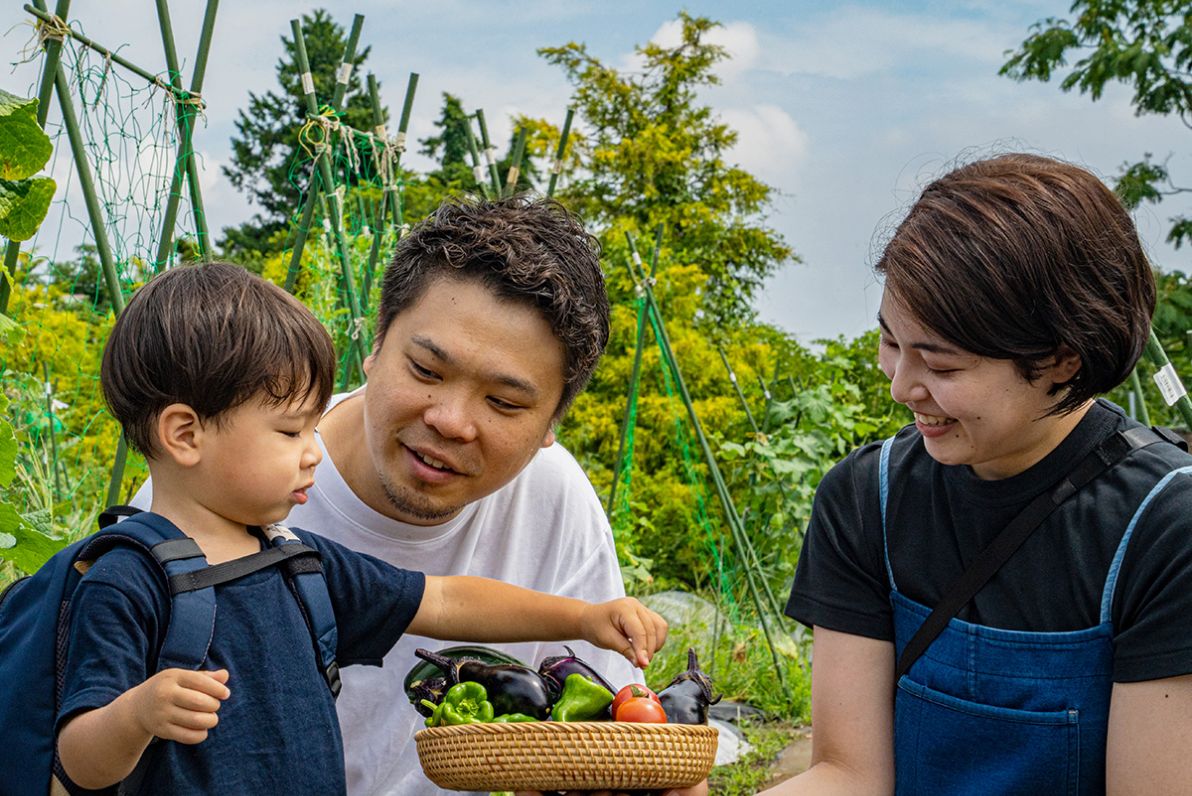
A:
{"x": 544, "y": 530}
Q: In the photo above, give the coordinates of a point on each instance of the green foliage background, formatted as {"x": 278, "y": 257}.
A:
{"x": 650, "y": 156}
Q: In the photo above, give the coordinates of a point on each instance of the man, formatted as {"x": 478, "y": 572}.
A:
{"x": 492, "y": 318}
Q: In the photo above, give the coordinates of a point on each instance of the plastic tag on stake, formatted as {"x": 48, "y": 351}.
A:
{"x": 308, "y": 83}
{"x": 1169, "y": 384}
{"x": 511, "y": 177}
{"x": 345, "y": 74}
{"x": 637, "y": 259}
{"x": 399, "y": 141}
{"x": 490, "y": 154}
{"x": 478, "y": 173}
{"x": 557, "y": 167}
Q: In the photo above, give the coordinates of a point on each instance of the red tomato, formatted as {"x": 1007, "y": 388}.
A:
{"x": 641, "y": 710}
{"x": 631, "y": 691}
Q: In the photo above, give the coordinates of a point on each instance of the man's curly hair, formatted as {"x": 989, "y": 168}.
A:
{"x": 532, "y": 251}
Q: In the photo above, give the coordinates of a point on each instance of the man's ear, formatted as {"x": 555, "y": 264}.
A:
{"x": 180, "y": 435}
{"x": 549, "y": 439}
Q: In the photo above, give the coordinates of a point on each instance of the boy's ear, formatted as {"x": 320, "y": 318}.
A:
{"x": 180, "y": 434}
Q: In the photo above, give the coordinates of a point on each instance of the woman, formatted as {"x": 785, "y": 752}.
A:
{"x": 1016, "y": 290}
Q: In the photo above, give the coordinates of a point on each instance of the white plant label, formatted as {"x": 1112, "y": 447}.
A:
{"x": 1169, "y": 384}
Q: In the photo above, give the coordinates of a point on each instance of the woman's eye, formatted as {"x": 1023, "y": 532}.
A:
{"x": 504, "y": 406}
{"x": 292, "y": 433}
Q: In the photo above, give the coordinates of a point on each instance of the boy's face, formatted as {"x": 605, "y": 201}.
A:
{"x": 461, "y": 394}
{"x": 259, "y": 460}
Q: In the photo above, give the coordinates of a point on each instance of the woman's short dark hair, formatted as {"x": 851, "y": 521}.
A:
{"x": 211, "y": 336}
{"x": 530, "y": 251}
{"x": 1019, "y": 256}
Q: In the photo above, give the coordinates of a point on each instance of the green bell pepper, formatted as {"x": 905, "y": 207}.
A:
{"x": 581, "y": 700}
{"x": 464, "y": 703}
{"x": 513, "y": 718}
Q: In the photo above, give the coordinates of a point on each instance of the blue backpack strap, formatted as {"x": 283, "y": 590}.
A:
{"x": 192, "y": 613}
{"x": 305, "y": 574}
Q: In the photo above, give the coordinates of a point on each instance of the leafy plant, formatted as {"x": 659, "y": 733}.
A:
{"x": 24, "y": 151}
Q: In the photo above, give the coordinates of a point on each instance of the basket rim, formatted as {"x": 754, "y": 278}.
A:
{"x": 547, "y": 729}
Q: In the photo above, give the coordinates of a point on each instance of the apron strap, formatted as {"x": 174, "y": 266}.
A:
{"x": 1017, "y": 531}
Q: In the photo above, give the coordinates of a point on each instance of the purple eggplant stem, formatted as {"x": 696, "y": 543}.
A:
{"x": 557, "y": 668}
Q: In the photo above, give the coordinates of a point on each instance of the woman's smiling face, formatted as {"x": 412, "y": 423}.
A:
{"x": 971, "y": 409}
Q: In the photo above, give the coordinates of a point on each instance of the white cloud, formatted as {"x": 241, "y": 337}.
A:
{"x": 770, "y": 142}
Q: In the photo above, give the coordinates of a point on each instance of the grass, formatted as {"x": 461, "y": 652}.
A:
{"x": 753, "y": 770}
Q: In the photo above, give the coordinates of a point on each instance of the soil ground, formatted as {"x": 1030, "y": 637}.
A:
{"x": 794, "y": 759}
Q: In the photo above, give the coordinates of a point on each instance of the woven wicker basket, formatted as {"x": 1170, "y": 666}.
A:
{"x": 555, "y": 755}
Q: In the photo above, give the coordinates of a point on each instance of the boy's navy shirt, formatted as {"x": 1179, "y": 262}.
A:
{"x": 278, "y": 731}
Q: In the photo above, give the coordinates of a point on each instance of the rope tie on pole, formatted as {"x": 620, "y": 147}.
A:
{"x": 328, "y": 125}
{"x": 44, "y": 32}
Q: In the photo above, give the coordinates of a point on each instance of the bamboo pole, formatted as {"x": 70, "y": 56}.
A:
{"x": 323, "y": 163}
{"x": 99, "y": 231}
{"x": 343, "y": 76}
{"x": 53, "y": 49}
{"x": 490, "y": 153}
{"x": 40, "y": 12}
{"x": 477, "y": 169}
{"x": 556, "y": 168}
{"x": 49, "y": 391}
{"x": 734, "y": 520}
{"x": 1144, "y": 415}
{"x": 186, "y": 165}
{"x": 403, "y": 126}
{"x": 379, "y": 133}
{"x": 519, "y": 151}
{"x": 1167, "y": 379}
{"x": 635, "y": 376}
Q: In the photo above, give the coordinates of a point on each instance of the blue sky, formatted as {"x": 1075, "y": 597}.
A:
{"x": 846, "y": 109}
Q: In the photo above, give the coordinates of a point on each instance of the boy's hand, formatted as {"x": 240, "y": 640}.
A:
{"x": 180, "y": 704}
{"x": 625, "y": 626}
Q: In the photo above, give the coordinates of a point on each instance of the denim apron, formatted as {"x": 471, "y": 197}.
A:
{"x": 992, "y": 711}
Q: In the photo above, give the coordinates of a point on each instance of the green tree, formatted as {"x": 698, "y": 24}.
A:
{"x": 269, "y": 163}
{"x": 1143, "y": 44}
{"x": 656, "y": 155}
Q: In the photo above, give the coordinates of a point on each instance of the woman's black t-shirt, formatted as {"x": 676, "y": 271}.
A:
{"x": 940, "y": 517}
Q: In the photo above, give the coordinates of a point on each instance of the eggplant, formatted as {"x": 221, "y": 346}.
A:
{"x": 430, "y": 689}
{"x": 424, "y": 672}
{"x": 557, "y": 668}
{"x": 511, "y": 688}
{"x": 687, "y": 698}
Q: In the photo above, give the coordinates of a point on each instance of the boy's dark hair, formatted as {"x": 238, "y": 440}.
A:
{"x": 211, "y": 336}
{"x": 529, "y": 251}
{"x": 1017, "y": 256}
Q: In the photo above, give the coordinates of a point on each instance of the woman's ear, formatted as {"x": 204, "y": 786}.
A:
{"x": 1067, "y": 364}
{"x": 180, "y": 435}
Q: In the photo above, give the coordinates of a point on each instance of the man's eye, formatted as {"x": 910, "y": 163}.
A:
{"x": 420, "y": 371}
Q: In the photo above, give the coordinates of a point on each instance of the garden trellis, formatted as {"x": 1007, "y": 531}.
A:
{"x": 133, "y": 203}
{"x": 757, "y": 587}
{"x": 130, "y": 135}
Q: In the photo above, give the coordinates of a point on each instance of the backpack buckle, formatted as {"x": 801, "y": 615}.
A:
{"x": 331, "y": 674}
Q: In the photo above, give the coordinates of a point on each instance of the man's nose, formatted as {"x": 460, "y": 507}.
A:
{"x": 452, "y": 417}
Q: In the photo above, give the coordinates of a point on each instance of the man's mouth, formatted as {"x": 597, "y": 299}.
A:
{"x": 431, "y": 461}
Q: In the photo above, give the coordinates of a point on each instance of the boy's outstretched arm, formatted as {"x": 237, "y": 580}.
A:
{"x": 101, "y": 747}
{"x": 464, "y": 608}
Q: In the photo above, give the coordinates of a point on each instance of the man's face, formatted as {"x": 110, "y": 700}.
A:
{"x": 460, "y": 396}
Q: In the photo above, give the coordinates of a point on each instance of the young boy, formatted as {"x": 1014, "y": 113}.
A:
{"x": 219, "y": 378}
